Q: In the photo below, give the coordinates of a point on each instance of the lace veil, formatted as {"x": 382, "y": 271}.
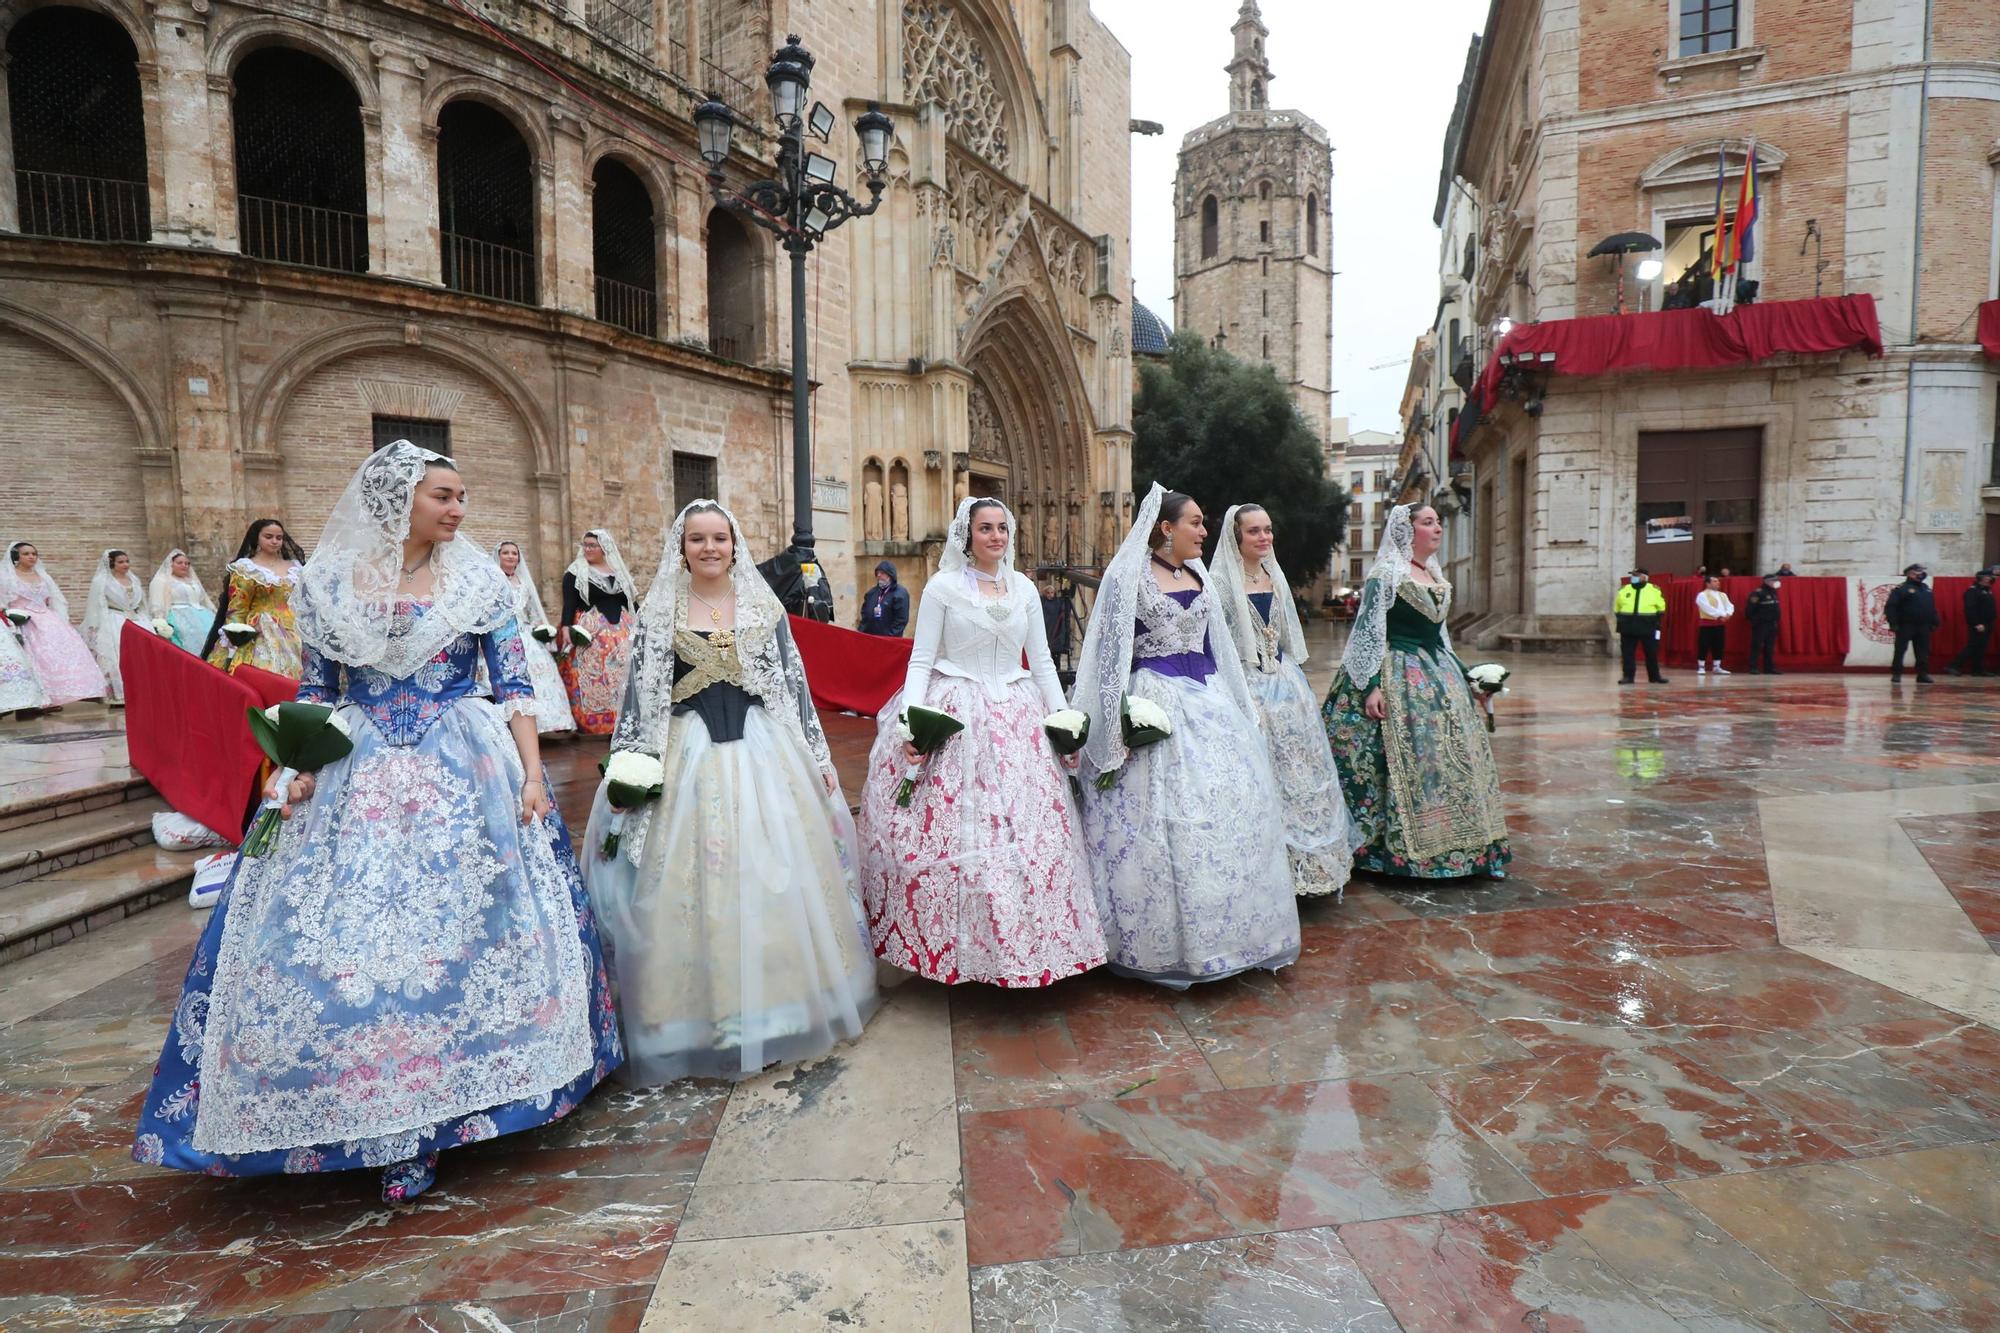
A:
{"x": 1253, "y": 641}
{"x": 956, "y": 578}
{"x": 160, "y": 590}
{"x": 1368, "y": 642}
{"x": 616, "y": 578}
{"x": 527, "y": 594}
{"x": 1104, "y": 666}
{"x": 347, "y": 593}
{"x": 12, "y": 583}
{"x": 97, "y": 606}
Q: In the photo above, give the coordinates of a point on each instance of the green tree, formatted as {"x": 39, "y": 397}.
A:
{"x": 1227, "y": 432}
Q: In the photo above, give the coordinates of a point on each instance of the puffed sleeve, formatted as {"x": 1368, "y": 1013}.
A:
{"x": 507, "y": 670}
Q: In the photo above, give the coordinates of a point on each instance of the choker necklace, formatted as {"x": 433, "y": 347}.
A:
{"x": 1176, "y": 570}
{"x": 995, "y": 579}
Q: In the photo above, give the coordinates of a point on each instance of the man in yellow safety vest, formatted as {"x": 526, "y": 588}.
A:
{"x": 1639, "y": 608}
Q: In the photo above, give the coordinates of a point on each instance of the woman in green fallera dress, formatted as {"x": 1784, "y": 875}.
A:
{"x": 1415, "y": 765}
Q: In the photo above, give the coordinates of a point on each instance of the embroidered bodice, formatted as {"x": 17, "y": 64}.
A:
{"x": 993, "y": 642}
{"x": 184, "y": 592}
{"x": 708, "y": 682}
{"x": 403, "y": 708}
{"x": 30, "y": 596}
{"x": 607, "y": 603}
{"x": 127, "y": 598}
{"x": 255, "y": 591}
{"x": 1260, "y": 602}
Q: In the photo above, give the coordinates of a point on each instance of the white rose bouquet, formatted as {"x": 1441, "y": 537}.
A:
{"x": 17, "y": 618}
{"x": 543, "y": 634}
{"x": 630, "y": 780}
{"x": 238, "y": 633}
{"x": 579, "y": 637}
{"x": 1141, "y": 722}
{"x": 924, "y": 729}
{"x": 295, "y": 737}
{"x": 1067, "y": 730}
{"x": 1488, "y": 679}
{"x": 163, "y": 628}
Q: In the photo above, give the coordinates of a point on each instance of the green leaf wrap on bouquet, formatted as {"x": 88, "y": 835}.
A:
{"x": 924, "y": 730}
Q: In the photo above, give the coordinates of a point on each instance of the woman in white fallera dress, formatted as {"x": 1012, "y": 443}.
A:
{"x": 730, "y": 899}
{"x": 1186, "y": 847}
{"x": 179, "y": 598}
{"x": 116, "y": 596}
{"x": 552, "y": 713}
{"x": 20, "y": 684}
{"x": 982, "y": 876}
{"x": 1263, "y": 622}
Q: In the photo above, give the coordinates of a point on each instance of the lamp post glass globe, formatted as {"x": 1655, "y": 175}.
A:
{"x": 789, "y": 78}
{"x": 715, "y": 125}
{"x": 874, "y": 129}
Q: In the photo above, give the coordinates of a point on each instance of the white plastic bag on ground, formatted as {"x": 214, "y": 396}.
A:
{"x": 211, "y": 873}
{"x": 177, "y": 833}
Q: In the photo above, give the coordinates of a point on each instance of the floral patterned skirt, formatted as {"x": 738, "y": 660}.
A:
{"x": 62, "y": 659}
{"x": 1421, "y": 784}
{"x": 731, "y": 909}
{"x": 191, "y": 625}
{"x": 595, "y": 674}
{"x": 1187, "y": 848}
{"x": 275, "y": 649}
{"x": 1319, "y": 837}
{"x": 408, "y": 969}
{"x": 982, "y": 876}
{"x": 20, "y": 687}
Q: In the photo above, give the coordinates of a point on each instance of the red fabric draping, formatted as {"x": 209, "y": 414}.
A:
{"x": 185, "y": 732}
{"x": 1950, "y": 636}
{"x": 271, "y": 687}
{"x": 1812, "y": 633}
{"x": 849, "y": 669}
{"x": 1682, "y": 340}
{"x": 1989, "y": 328}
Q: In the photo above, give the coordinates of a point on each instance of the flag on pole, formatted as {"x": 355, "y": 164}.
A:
{"x": 1745, "y": 240}
{"x": 1719, "y": 258}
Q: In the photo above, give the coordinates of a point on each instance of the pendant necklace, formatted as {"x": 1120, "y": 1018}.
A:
{"x": 714, "y": 611}
{"x": 1176, "y": 570}
{"x": 411, "y": 572}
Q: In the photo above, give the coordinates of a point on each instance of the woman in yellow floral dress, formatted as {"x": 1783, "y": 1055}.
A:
{"x": 258, "y": 592}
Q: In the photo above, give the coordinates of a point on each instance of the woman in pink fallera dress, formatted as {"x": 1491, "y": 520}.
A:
{"x": 982, "y": 877}
{"x": 61, "y": 657}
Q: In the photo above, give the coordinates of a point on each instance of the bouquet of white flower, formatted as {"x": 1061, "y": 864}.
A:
{"x": 18, "y": 618}
{"x": 163, "y": 628}
{"x": 579, "y": 637}
{"x": 543, "y": 634}
{"x": 630, "y": 780}
{"x": 1067, "y": 730}
{"x": 925, "y": 729}
{"x": 1141, "y": 722}
{"x": 294, "y": 736}
{"x": 238, "y": 633}
{"x": 1488, "y": 679}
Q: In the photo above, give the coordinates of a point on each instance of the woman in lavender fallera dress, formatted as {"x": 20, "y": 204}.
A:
{"x": 62, "y": 659}
{"x": 1263, "y": 624}
{"x": 1186, "y": 846}
{"x": 414, "y": 965}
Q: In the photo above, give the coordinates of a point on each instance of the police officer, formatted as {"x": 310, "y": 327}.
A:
{"x": 1763, "y": 611}
{"x": 1978, "y": 626}
{"x": 1639, "y": 608}
{"x": 1912, "y": 614}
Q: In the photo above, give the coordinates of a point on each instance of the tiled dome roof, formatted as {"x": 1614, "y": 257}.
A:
{"x": 1149, "y": 332}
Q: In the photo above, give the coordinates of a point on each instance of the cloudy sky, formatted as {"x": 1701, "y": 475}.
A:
{"x": 1381, "y": 80}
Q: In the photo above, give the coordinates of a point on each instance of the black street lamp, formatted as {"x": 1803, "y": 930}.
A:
{"x": 800, "y": 206}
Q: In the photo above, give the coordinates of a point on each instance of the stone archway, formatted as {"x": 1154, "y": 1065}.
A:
{"x": 1029, "y": 430}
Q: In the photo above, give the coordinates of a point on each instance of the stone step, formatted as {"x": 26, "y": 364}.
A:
{"x": 57, "y": 907}
{"x": 39, "y": 800}
{"x": 1590, "y": 645}
{"x": 33, "y": 851}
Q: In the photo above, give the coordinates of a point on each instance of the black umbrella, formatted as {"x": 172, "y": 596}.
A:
{"x": 1625, "y": 243}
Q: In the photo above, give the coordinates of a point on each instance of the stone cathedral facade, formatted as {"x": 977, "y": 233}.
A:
{"x": 1253, "y": 245}
{"x": 243, "y": 241}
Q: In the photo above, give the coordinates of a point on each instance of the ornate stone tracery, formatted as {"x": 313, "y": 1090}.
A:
{"x": 944, "y": 62}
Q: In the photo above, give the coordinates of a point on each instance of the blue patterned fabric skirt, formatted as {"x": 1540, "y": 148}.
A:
{"x": 410, "y": 968}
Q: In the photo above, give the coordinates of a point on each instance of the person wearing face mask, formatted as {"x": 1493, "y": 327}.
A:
{"x": 1640, "y": 608}
{"x": 1763, "y": 611}
{"x": 982, "y": 876}
{"x": 1971, "y": 659}
{"x": 886, "y": 608}
{"x": 1912, "y": 613}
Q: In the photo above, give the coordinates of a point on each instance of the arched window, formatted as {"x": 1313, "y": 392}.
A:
{"x": 732, "y": 288}
{"x": 1312, "y": 224}
{"x": 301, "y": 186}
{"x": 1264, "y": 191}
{"x": 1211, "y": 215}
{"x": 79, "y": 127}
{"x": 1257, "y": 94}
{"x": 621, "y": 247}
{"x": 486, "y": 204}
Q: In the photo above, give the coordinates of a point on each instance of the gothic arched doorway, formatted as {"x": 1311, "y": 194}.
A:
{"x": 1029, "y": 432}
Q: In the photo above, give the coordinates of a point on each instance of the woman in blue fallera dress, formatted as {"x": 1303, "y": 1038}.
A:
{"x": 1187, "y": 845}
{"x": 414, "y": 965}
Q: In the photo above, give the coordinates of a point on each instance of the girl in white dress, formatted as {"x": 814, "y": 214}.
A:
{"x": 730, "y": 899}
{"x": 1187, "y": 845}
{"x": 179, "y": 598}
{"x": 21, "y": 688}
{"x": 982, "y": 876}
{"x": 552, "y": 713}
{"x": 1256, "y": 603}
{"x": 116, "y": 596}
